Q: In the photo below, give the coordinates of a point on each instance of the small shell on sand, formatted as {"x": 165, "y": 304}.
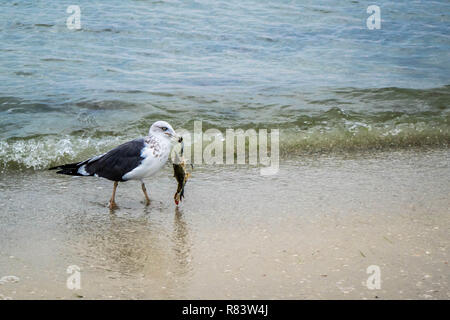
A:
{"x": 11, "y": 279}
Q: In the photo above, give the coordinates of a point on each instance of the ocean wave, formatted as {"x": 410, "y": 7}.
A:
{"x": 331, "y": 120}
{"x": 361, "y": 137}
{"x": 42, "y": 151}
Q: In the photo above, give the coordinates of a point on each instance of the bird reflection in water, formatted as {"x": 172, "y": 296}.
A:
{"x": 146, "y": 247}
{"x": 181, "y": 244}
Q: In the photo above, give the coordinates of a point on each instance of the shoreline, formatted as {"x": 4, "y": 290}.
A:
{"x": 309, "y": 232}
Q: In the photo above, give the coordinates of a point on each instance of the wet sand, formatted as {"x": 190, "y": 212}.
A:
{"x": 309, "y": 232}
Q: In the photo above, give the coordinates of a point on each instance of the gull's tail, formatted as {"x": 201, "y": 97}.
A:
{"x": 71, "y": 169}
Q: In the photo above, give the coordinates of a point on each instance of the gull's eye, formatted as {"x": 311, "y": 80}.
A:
{"x": 164, "y": 128}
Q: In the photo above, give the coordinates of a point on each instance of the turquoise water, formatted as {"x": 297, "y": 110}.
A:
{"x": 310, "y": 68}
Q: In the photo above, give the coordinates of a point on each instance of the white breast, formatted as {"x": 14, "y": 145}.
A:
{"x": 155, "y": 154}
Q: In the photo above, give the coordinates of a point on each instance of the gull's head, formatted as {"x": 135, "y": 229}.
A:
{"x": 163, "y": 130}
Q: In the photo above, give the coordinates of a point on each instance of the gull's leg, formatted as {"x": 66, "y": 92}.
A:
{"x": 147, "y": 199}
{"x": 112, "y": 203}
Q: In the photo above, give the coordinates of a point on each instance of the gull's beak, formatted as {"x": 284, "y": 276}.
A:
{"x": 175, "y": 137}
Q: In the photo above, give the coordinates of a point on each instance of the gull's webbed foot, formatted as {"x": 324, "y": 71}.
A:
{"x": 112, "y": 205}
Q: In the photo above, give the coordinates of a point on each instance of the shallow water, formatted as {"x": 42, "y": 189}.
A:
{"x": 366, "y": 110}
{"x": 310, "y": 68}
{"x": 309, "y": 232}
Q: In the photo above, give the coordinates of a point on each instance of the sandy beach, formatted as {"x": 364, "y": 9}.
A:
{"x": 309, "y": 232}
{"x": 350, "y": 100}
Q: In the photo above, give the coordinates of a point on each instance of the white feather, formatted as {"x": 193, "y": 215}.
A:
{"x": 82, "y": 170}
{"x": 155, "y": 154}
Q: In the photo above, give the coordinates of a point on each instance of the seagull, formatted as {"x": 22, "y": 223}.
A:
{"x": 133, "y": 160}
